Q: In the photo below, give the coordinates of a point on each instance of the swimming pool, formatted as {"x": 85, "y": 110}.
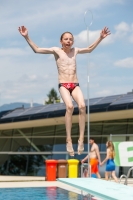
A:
{"x": 40, "y": 193}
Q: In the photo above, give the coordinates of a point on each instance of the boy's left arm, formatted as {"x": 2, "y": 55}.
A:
{"x": 104, "y": 33}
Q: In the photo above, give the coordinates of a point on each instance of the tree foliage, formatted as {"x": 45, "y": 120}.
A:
{"x": 52, "y": 97}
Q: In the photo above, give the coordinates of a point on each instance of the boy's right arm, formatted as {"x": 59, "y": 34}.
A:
{"x": 24, "y": 32}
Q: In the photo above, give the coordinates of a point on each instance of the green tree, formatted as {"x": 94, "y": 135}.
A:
{"x": 52, "y": 97}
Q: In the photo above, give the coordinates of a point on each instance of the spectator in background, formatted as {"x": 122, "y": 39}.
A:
{"x": 110, "y": 165}
{"x": 94, "y": 158}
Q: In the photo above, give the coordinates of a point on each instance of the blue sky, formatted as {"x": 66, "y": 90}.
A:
{"x": 25, "y": 75}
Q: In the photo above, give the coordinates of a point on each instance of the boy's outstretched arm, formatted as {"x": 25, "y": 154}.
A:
{"x": 24, "y": 32}
{"x": 104, "y": 33}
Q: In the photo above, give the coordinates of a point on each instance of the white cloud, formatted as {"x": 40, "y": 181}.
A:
{"x": 33, "y": 77}
{"x": 121, "y": 30}
{"x": 27, "y": 87}
{"x": 126, "y": 62}
{"x": 81, "y": 38}
{"x": 33, "y": 14}
{"x": 122, "y": 27}
{"x": 14, "y": 51}
{"x": 111, "y": 85}
{"x": 44, "y": 14}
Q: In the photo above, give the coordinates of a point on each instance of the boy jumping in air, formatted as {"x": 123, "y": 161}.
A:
{"x": 65, "y": 58}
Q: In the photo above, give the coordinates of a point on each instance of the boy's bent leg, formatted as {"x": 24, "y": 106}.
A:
{"x": 78, "y": 97}
{"x": 65, "y": 94}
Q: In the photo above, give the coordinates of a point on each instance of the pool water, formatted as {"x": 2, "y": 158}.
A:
{"x": 40, "y": 193}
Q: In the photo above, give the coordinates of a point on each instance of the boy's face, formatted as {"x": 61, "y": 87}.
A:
{"x": 91, "y": 142}
{"x": 67, "y": 40}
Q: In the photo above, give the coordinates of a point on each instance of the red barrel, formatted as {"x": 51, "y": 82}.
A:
{"x": 51, "y": 170}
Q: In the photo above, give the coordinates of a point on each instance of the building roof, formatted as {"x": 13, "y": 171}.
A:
{"x": 100, "y": 104}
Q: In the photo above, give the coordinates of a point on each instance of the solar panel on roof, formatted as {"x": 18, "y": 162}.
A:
{"x": 20, "y": 112}
{"x": 94, "y": 101}
{"x": 31, "y": 110}
{"x": 109, "y": 99}
{"x": 49, "y": 108}
{"x": 15, "y": 112}
{"x": 36, "y": 110}
{"x": 128, "y": 98}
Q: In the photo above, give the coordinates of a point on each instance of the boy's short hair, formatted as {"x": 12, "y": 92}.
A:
{"x": 61, "y": 37}
{"x": 91, "y": 138}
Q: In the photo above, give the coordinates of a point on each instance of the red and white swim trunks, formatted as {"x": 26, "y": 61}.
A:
{"x": 69, "y": 86}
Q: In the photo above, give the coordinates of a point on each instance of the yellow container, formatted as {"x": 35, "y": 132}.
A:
{"x": 73, "y": 168}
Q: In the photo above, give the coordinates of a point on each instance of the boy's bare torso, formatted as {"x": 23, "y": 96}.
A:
{"x": 66, "y": 64}
{"x": 93, "y": 151}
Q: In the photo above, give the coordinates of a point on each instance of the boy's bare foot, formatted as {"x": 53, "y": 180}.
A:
{"x": 70, "y": 148}
{"x": 80, "y": 147}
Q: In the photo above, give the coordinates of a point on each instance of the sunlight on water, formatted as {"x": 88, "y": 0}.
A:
{"x": 46, "y": 193}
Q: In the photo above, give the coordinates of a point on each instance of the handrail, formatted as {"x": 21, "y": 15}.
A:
{"x": 128, "y": 174}
{"x": 82, "y": 166}
{"x": 122, "y": 176}
{"x": 85, "y": 165}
